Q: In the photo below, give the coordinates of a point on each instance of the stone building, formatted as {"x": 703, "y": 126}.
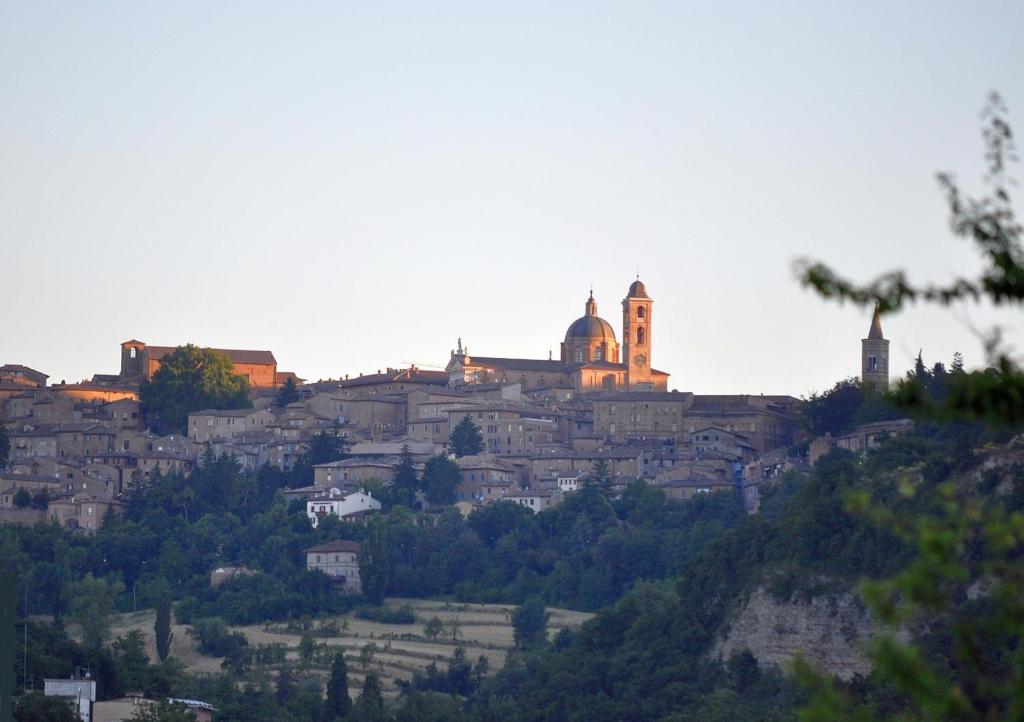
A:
{"x": 589, "y": 358}
{"x": 874, "y": 356}
{"x": 339, "y": 560}
{"x": 139, "y": 362}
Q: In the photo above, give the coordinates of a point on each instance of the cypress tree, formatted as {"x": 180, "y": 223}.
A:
{"x": 338, "y": 702}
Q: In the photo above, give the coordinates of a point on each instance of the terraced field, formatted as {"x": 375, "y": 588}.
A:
{"x": 398, "y": 649}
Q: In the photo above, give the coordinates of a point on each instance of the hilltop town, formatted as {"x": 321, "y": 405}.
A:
{"x": 545, "y": 427}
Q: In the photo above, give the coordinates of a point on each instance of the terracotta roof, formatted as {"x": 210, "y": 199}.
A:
{"x": 19, "y": 368}
{"x": 412, "y": 376}
{"x": 339, "y": 545}
{"x": 238, "y": 356}
{"x": 522, "y": 364}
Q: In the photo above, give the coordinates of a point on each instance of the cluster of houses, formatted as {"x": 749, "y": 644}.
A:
{"x": 75, "y": 449}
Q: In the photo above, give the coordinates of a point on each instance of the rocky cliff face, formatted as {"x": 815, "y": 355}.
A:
{"x": 829, "y": 630}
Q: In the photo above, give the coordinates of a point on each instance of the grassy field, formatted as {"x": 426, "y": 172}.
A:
{"x": 401, "y": 649}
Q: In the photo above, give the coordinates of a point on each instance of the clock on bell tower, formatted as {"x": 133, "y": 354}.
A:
{"x": 637, "y": 309}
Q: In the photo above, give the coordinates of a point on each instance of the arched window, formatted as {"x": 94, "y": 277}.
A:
{"x": 599, "y": 353}
{"x": 641, "y": 312}
{"x": 132, "y": 352}
{"x": 872, "y": 363}
{"x": 640, "y": 336}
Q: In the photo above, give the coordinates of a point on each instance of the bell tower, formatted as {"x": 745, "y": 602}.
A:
{"x": 637, "y": 309}
{"x": 874, "y": 356}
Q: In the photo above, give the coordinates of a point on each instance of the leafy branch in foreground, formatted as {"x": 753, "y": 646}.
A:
{"x": 963, "y": 596}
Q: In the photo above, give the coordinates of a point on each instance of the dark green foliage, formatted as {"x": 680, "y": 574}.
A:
{"x": 441, "y": 476}
{"x": 338, "y": 702}
{"x": 8, "y": 618}
{"x": 375, "y": 563}
{"x": 289, "y": 392}
{"x": 324, "y": 447}
{"x": 41, "y": 500}
{"x": 215, "y": 639}
{"x": 461, "y": 677}
{"x": 466, "y": 439}
{"x": 132, "y": 662}
{"x": 22, "y": 498}
{"x": 5, "y": 447}
{"x": 405, "y": 484}
{"x": 388, "y": 615}
{"x": 162, "y": 626}
{"x": 191, "y": 379}
{"x": 35, "y": 707}
{"x": 369, "y": 707}
{"x": 530, "y": 623}
{"x": 600, "y": 477}
{"x": 93, "y": 602}
{"x": 430, "y": 707}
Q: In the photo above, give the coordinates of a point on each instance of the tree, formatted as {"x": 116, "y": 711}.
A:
{"x": 162, "y": 625}
{"x": 466, "y": 439}
{"x": 36, "y": 707}
{"x": 289, "y": 392}
{"x": 338, "y": 702}
{"x": 965, "y": 540}
{"x": 433, "y": 628}
{"x": 530, "y": 623}
{"x": 132, "y": 661}
{"x": 404, "y": 484}
{"x": 191, "y": 379}
{"x": 833, "y": 411}
{"x": 307, "y": 649}
{"x": 22, "y": 498}
{"x": 600, "y": 477}
{"x": 375, "y": 562}
{"x": 92, "y": 603}
{"x": 441, "y": 476}
{"x": 369, "y": 707}
{"x": 5, "y": 447}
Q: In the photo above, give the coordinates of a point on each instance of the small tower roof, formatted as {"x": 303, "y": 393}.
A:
{"x": 637, "y": 290}
{"x": 875, "y": 332}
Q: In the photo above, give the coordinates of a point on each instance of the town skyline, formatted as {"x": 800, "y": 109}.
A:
{"x": 358, "y": 188}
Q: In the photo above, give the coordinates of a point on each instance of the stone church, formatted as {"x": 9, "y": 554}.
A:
{"x": 591, "y": 356}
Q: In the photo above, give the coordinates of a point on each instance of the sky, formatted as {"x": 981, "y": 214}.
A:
{"x": 355, "y": 186}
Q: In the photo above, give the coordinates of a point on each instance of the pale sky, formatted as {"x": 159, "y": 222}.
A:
{"x": 356, "y": 185}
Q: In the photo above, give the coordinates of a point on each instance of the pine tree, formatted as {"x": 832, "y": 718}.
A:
{"x": 466, "y": 439}
{"x": 405, "y": 483}
{"x": 288, "y": 393}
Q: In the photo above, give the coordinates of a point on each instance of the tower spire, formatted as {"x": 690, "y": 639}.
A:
{"x": 875, "y": 332}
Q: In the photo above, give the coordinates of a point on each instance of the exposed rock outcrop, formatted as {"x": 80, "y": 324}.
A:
{"x": 829, "y": 630}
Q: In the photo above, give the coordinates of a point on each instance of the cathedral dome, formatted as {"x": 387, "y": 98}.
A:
{"x": 590, "y": 326}
{"x": 637, "y": 290}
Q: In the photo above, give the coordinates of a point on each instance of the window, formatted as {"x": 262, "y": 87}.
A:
{"x": 872, "y": 363}
{"x": 641, "y": 312}
{"x": 579, "y": 356}
{"x": 640, "y": 336}
{"x": 133, "y": 352}
{"x": 599, "y": 354}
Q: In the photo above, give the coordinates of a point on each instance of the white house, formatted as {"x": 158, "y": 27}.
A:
{"x": 570, "y": 482}
{"x": 339, "y": 504}
{"x": 533, "y": 500}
